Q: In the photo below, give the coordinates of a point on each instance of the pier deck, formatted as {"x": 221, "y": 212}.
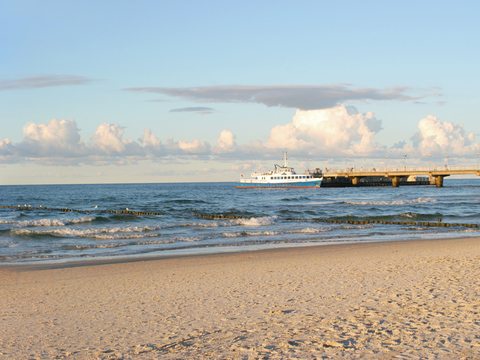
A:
{"x": 436, "y": 174}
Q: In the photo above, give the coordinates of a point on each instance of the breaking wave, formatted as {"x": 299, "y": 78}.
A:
{"x": 98, "y": 233}
{"x": 392, "y": 202}
{"x": 49, "y": 222}
{"x": 261, "y": 221}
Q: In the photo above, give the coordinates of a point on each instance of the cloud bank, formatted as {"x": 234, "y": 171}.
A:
{"x": 303, "y": 97}
{"x": 334, "y": 133}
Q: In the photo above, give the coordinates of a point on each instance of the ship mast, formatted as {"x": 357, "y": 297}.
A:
{"x": 285, "y": 163}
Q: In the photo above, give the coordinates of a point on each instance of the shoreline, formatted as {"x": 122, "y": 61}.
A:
{"x": 124, "y": 259}
{"x": 415, "y": 299}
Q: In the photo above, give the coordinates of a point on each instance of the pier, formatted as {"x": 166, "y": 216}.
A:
{"x": 436, "y": 174}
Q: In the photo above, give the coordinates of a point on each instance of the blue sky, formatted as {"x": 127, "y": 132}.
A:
{"x": 325, "y": 80}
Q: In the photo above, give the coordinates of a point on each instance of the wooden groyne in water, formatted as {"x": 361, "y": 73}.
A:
{"x": 128, "y": 212}
{"x": 386, "y": 222}
{"x": 352, "y": 222}
{"x": 234, "y": 217}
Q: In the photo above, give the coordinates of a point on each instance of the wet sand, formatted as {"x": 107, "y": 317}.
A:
{"x": 411, "y": 299}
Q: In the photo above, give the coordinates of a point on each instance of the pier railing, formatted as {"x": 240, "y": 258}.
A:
{"x": 436, "y": 173}
{"x": 406, "y": 169}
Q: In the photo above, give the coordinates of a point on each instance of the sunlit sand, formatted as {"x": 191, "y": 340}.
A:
{"x": 412, "y": 299}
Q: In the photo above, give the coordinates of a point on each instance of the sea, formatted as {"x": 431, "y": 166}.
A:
{"x": 199, "y": 218}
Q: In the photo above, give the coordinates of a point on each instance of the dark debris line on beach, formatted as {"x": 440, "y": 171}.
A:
{"x": 129, "y": 212}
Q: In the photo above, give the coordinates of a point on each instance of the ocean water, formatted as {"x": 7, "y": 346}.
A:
{"x": 265, "y": 218}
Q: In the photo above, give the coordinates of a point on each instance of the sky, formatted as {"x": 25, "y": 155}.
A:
{"x": 190, "y": 91}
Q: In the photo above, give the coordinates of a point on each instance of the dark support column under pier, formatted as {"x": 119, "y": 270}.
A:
{"x": 439, "y": 181}
{"x": 395, "y": 181}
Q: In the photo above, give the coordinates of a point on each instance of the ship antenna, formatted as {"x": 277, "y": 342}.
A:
{"x": 285, "y": 158}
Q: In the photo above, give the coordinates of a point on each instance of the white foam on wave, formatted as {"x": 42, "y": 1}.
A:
{"x": 50, "y": 222}
{"x": 8, "y": 244}
{"x": 261, "y": 221}
{"x": 187, "y": 238}
{"x": 349, "y": 227}
{"x": 308, "y": 231}
{"x": 232, "y": 235}
{"x": 273, "y": 233}
{"x": 261, "y": 233}
{"x": 124, "y": 236}
{"x": 392, "y": 202}
{"x": 250, "y": 233}
{"x": 91, "y": 232}
{"x": 206, "y": 225}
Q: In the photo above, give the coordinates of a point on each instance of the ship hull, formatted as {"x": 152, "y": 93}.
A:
{"x": 286, "y": 185}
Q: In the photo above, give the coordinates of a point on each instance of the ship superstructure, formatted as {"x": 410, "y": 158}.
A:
{"x": 282, "y": 177}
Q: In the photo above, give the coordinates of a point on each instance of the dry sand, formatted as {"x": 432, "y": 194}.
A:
{"x": 411, "y": 300}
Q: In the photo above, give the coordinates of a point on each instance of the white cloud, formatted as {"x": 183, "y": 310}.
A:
{"x": 226, "y": 143}
{"x": 334, "y": 133}
{"x": 59, "y": 143}
{"x": 50, "y": 140}
{"x": 339, "y": 131}
{"x": 150, "y": 141}
{"x": 6, "y": 147}
{"x": 438, "y": 138}
{"x": 108, "y": 140}
{"x": 245, "y": 166}
{"x": 194, "y": 147}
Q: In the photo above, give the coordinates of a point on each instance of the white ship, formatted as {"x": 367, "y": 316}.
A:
{"x": 281, "y": 177}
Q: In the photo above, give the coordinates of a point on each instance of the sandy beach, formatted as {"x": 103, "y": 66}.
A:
{"x": 411, "y": 299}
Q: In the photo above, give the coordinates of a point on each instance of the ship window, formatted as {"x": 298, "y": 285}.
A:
{"x": 304, "y": 177}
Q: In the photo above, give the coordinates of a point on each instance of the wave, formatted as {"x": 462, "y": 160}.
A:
{"x": 185, "y": 201}
{"x": 187, "y": 238}
{"x": 296, "y": 198}
{"x": 261, "y": 221}
{"x": 99, "y": 233}
{"x": 49, "y": 222}
{"x": 308, "y": 231}
{"x": 124, "y": 236}
{"x": 273, "y": 233}
{"x": 250, "y": 233}
{"x": 115, "y": 245}
{"x": 8, "y": 244}
{"x": 194, "y": 224}
{"x": 356, "y": 227}
{"x": 393, "y": 202}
